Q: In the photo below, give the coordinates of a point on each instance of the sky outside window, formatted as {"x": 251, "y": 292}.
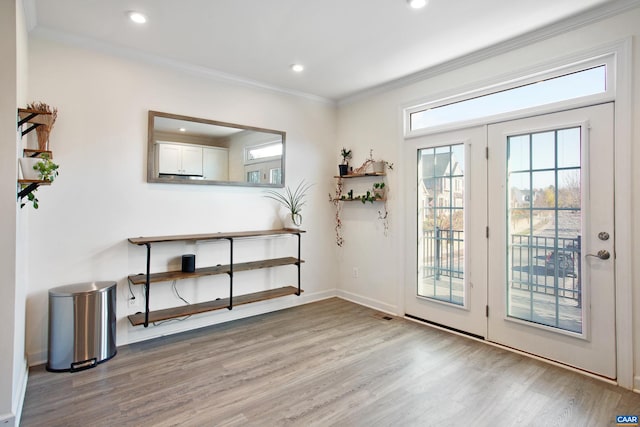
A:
{"x": 570, "y": 86}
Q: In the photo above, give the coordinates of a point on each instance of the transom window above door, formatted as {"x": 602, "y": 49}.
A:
{"x": 590, "y": 80}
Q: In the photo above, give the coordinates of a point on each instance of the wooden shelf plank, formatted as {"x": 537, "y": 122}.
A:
{"x": 27, "y": 152}
{"x": 40, "y": 117}
{"x": 359, "y": 200}
{"x": 34, "y": 181}
{"x": 140, "y": 279}
{"x": 213, "y": 236}
{"x": 203, "y": 307}
{"x": 360, "y": 175}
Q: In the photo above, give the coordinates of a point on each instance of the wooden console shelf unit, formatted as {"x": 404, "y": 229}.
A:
{"x": 231, "y": 268}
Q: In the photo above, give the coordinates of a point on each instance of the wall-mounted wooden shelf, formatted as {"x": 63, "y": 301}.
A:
{"x": 147, "y": 278}
{"x": 361, "y": 175}
{"x": 203, "y": 307}
{"x": 360, "y": 200}
{"x": 27, "y": 152}
{"x": 33, "y": 117}
{"x": 141, "y": 279}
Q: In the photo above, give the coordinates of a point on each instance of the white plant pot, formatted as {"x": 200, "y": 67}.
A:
{"x": 291, "y": 221}
{"x": 26, "y": 166}
{"x": 378, "y": 167}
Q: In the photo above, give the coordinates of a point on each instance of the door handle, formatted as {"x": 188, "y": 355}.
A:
{"x": 602, "y": 254}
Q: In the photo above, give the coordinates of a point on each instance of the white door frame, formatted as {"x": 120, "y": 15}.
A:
{"x": 623, "y": 119}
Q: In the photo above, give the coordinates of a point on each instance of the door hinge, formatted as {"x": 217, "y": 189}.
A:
{"x": 486, "y": 152}
{"x": 487, "y": 311}
{"x": 487, "y": 232}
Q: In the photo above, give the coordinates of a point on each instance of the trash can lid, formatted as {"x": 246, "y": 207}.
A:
{"x": 80, "y": 288}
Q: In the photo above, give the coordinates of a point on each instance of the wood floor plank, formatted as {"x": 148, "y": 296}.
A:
{"x": 327, "y": 363}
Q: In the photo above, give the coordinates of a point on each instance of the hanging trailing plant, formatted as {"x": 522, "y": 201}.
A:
{"x": 335, "y": 200}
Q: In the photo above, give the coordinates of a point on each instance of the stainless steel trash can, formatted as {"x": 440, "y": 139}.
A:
{"x": 82, "y": 325}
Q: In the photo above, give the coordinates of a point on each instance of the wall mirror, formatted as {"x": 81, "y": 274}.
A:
{"x": 190, "y": 150}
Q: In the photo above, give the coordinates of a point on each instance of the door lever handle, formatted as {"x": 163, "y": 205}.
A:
{"x": 602, "y": 254}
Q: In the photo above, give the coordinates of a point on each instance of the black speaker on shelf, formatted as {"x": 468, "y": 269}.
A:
{"x": 189, "y": 263}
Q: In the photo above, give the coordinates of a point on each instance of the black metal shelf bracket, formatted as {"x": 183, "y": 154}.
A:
{"x": 230, "y": 307}
{"x": 28, "y": 189}
{"x": 299, "y": 262}
{"x": 25, "y": 120}
{"x": 147, "y": 286}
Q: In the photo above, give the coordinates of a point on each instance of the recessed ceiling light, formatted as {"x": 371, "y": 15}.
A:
{"x": 417, "y": 4}
{"x": 182, "y": 130}
{"x": 137, "y": 17}
{"x": 298, "y": 68}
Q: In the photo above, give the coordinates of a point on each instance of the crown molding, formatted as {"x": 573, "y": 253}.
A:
{"x": 157, "y": 60}
{"x": 591, "y": 16}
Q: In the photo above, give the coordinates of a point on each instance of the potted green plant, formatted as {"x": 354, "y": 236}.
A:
{"x": 379, "y": 190}
{"x": 346, "y": 156}
{"x": 379, "y": 166}
{"x": 39, "y": 168}
{"x": 292, "y": 201}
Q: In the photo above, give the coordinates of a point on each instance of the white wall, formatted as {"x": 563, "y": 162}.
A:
{"x": 13, "y": 368}
{"x": 101, "y": 196}
{"x": 375, "y": 122}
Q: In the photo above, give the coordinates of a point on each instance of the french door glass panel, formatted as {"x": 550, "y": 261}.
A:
{"x": 544, "y": 228}
{"x": 446, "y": 199}
{"x": 441, "y": 223}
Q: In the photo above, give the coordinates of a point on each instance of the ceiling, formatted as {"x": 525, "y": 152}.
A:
{"x": 346, "y": 46}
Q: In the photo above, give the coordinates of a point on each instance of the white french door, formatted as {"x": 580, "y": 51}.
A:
{"x": 518, "y": 248}
{"x": 551, "y": 269}
{"x": 448, "y": 254}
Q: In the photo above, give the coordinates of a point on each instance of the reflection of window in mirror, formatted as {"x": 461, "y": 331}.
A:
{"x": 275, "y": 176}
{"x": 253, "y": 177}
{"x": 263, "y": 152}
{"x": 263, "y": 162}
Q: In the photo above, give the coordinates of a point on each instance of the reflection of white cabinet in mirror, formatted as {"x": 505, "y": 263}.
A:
{"x": 179, "y": 159}
{"x": 215, "y": 163}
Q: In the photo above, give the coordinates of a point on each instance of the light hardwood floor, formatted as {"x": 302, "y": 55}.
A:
{"x": 326, "y": 363}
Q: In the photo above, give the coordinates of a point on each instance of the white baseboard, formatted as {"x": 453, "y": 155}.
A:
{"x": 369, "y": 302}
{"x": 636, "y": 384}
{"x": 7, "y": 420}
{"x": 37, "y": 358}
{"x": 21, "y": 395}
{"x": 13, "y": 419}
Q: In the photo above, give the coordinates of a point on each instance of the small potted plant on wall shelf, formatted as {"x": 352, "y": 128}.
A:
{"x": 42, "y": 170}
{"x": 379, "y": 190}
{"x": 346, "y": 156}
{"x": 39, "y": 168}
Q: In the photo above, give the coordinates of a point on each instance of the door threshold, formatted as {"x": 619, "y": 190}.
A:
{"x": 444, "y": 327}
{"x": 481, "y": 339}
